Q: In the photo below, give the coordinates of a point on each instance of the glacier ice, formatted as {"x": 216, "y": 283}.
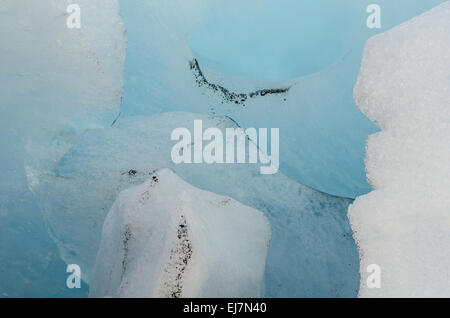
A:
{"x": 403, "y": 225}
{"x": 311, "y": 252}
{"x": 157, "y": 69}
{"x": 54, "y": 82}
{"x": 53, "y": 77}
{"x": 320, "y": 147}
{"x": 30, "y": 265}
{"x": 285, "y": 39}
{"x": 166, "y": 238}
{"x": 62, "y": 166}
{"x": 57, "y": 81}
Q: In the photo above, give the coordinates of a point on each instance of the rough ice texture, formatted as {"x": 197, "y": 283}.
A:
{"x": 404, "y": 225}
{"x": 54, "y": 82}
{"x": 166, "y": 238}
{"x": 311, "y": 252}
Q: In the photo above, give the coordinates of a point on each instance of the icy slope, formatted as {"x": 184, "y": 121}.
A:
{"x": 404, "y": 225}
{"x": 312, "y": 252}
{"x": 166, "y": 238}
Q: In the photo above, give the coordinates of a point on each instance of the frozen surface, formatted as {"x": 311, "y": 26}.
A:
{"x": 166, "y": 238}
{"x": 323, "y": 133}
{"x": 272, "y": 40}
{"x": 403, "y": 225}
{"x": 276, "y": 40}
{"x": 318, "y": 146}
{"x": 311, "y": 252}
{"x": 54, "y": 82}
{"x": 61, "y": 89}
{"x": 54, "y": 77}
{"x": 30, "y": 265}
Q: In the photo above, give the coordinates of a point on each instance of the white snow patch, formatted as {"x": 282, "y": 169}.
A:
{"x": 404, "y": 224}
{"x": 166, "y": 238}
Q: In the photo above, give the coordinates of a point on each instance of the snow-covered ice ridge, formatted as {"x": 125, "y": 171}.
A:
{"x": 403, "y": 226}
{"x": 166, "y": 238}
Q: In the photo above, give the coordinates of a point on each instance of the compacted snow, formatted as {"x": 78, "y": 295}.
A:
{"x": 166, "y": 238}
{"x": 403, "y": 226}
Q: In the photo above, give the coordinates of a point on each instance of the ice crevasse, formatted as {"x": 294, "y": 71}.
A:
{"x": 403, "y": 226}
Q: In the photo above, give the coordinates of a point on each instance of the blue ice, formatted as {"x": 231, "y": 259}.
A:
{"x": 313, "y": 46}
